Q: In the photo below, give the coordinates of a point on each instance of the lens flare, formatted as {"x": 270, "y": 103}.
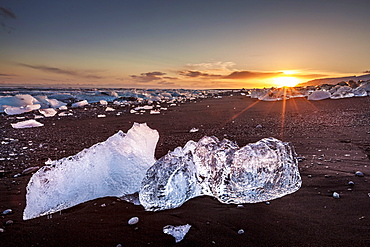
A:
{"x": 286, "y": 81}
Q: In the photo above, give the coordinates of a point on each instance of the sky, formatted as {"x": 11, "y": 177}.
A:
{"x": 181, "y": 43}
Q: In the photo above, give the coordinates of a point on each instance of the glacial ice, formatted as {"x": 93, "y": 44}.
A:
{"x": 178, "y": 232}
{"x": 48, "y": 112}
{"x": 124, "y": 166}
{"x": 80, "y": 103}
{"x": 319, "y": 95}
{"x": 257, "y": 172}
{"x": 114, "y": 167}
{"x": 15, "y": 110}
{"x": 27, "y": 124}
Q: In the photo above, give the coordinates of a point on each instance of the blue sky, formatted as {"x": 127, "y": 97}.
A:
{"x": 181, "y": 44}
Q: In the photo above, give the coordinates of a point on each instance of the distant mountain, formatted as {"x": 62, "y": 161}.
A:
{"x": 335, "y": 80}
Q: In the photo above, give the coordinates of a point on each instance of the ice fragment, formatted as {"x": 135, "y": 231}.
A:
{"x": 178, "y": 232}
{"x": 26, "y": 124}
{"x": 257, "y": 172}
{"x": 115, "y": 167}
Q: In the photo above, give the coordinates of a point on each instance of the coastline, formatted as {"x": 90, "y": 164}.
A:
{"x": 331, "y": 137}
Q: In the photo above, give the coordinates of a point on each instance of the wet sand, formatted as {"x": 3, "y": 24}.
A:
{"x": 331, "y": 136}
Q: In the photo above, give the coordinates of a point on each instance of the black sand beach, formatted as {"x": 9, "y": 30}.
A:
{"x": 332, "y": 137}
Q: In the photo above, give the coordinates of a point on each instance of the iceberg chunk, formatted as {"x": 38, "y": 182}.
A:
{"x": 15, "y": 110}
{"x": 319, "y": 95}
{"x": 115, "y": 167}
{"x": 49, "y": 112}
{"x": 27, "y": 124}
{"x": 178, "y": 232}
{"x": 257, "y": 172}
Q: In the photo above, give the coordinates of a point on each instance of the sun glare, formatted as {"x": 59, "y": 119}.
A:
{"x": 286, "y": 81}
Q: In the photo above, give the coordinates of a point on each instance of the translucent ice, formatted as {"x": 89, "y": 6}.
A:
{"x": 80, "y": 103}
{"x": 319, "y": 95}
{"x": 49, "y": 112}
{"x": 257, "y": 172}
{"x": 26, "y": 124}
{"x": 15, "y": 110}
{"x": 178, "y": 232}
{"x": 115, "y": 167}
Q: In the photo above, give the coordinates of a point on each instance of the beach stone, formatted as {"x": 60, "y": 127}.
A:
{"x": 8, "y": 211}
{"x": 133, "y": 221}
{"x": 9, "y": 222}
{"x": 359, "y": 174}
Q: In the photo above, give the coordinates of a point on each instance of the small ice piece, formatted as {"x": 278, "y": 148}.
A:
{"x": 336, "y": 195}
{"x": 30, "y": 170}
{"x": 49, "y": 112}
{"x": 103, "y": 102}
{"x": 63, "y": 108}
{"x": 257, "y": 172}
{"x": 101, "y": 115}
{"x": 80, "y": 103}
{"x": 193, "y": 130}
{"x": 114, "y": 167}
{"x": 109, "y": 109}
{"x": 26, "y": 124}
{"x": 359, "y": 174}
{"x": 178, "y": 232}
{"x": 319, "y": 95}
{"x": 155, "y": 112}
{"x": 14, "y": 110}
{"x": 7, "y": 211}
{"x": 133, "y": 221}
{"x": 241, "y": 231}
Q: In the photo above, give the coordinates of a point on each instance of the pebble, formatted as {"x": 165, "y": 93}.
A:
{"x": 351, "y": 183}
{"x": 133, "y": 221}
{"x": 8, "y": 211}
{"x": 9, "y": 222}
{"x": 1, "y": 230}
{"x": 309, "y": 176}
{"x": 267, "y": 203}
{"x": 359, "y": 174}
{"x": 30, "y": 170}
{"x": 336, "y": 195}
{"x": 241, "y": 231}
{"x": 240, "y": 206}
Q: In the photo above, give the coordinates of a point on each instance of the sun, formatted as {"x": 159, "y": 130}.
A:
{"x": 286, "y": 81}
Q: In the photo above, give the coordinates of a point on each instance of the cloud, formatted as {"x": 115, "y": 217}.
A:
{"x": 211, "y": 66}
{"x": 170, "y": 78}
{"x": 239, "y": 75}
{"x": 166, "y": 83}
{"x": 149, "y": 76}
{"x": 6, "y": 14}
{"x": 366, "y": 72}
{"x": 75, "y": 73}
{"x": 309, "y": 76}
{"x": 198, "y": 74}
{"x": 6, "y": 75}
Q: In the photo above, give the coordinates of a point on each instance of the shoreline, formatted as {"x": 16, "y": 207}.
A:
{"x": 330, "y": 136}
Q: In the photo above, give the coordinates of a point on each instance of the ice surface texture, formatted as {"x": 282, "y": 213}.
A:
{"x": 178, "y": 232}
{"x": 115, "y": 167}
{"x": 257, "y": 172}
{"x": 27, "y": 124}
